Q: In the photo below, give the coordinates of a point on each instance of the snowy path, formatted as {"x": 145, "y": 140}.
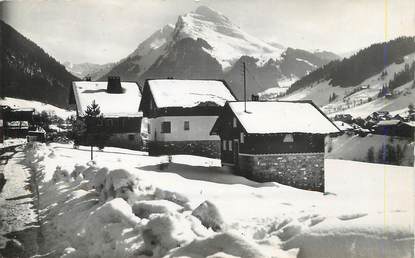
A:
{"x": 18, "y": 219}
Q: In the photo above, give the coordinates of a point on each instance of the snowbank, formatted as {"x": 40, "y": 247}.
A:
{"x": 120, "y": 205}
{"x": 370, "y": 236}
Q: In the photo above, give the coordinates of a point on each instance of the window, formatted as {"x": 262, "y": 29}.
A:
{"x": 186, "y": 125}
{"x": 235, "y": 124}
{"x": 223, "y": 144}
{"x": 148, "y": 128}
{"x": 242, "y": 137}
{"x": 131, "y": 137}
{"x": 230, "y": 145}
{"x": 288, "y": 138}
{"x": 165, "y": 127}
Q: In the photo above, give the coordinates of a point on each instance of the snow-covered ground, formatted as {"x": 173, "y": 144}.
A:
{"x": 12, "y": 142}
{"x": 355, "y": 100}
{"x": 38, "y": 106}
{"x": 355, "y": 147}
{"x": 122, "y": 205}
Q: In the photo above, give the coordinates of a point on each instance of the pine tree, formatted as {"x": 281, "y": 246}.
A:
{"x": 97, "y": 136}
{"x": 93, "y": 110}
{"x": 411, "y": 108}
{"x": 399, "y": 154}
{"x": 371, "y": 155}
{"x": 391, "y": 154}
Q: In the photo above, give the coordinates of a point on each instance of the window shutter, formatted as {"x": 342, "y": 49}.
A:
{"x": 186, "y": 125}
{"x": 165, "y": 127}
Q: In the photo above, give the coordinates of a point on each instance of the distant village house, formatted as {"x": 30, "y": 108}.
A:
{"x": 275, "y": 141}
{"x": 120, "y": 119}
{"x": 396, "y": 128}
{"x": 16, "y": 121}
{"x": 181, "y": 113}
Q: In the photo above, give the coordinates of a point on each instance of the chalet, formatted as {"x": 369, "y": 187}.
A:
{"x": 16, "y": 121}
{"x": 395, "y": 128}
{"x": 119, "y": 118}
{"x": 181, "y": 113}
{"x": 379, "y": 116}
{"x": 398, "y": 117}
{"x": 343, "y": 117}
{"x": 275, "y": 141}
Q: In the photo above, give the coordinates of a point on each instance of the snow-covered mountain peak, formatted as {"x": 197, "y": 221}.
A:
{"x": 208, "y": 14}
{"x": 155, "y": 41}
{"x": 228, "y": 42}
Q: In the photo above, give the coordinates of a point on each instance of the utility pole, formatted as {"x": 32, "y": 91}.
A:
{"x": 244, "y": 85}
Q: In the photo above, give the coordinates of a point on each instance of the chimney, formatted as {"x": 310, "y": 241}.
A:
{"x": 114, "y": 85}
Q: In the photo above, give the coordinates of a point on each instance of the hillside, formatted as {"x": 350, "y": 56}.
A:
{"x": 205, "y": 44}
{"x": 28, "y": 72}
{"x": 390, "y": 88}
{"x": 362, "y": 65}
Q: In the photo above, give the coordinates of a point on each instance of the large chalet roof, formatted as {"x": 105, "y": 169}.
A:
{"x": 189, "y": 93}
{"x": 262, "y": 117}
{"x": 111, "y": 104}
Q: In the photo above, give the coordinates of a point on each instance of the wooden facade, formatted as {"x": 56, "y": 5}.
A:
{"x": 178, "y": 129}
{"x": 16, "y": 122}
{"x": 292, "y": 158}
{"x": 115, "y": 128}
{"x": 396, "y": 128}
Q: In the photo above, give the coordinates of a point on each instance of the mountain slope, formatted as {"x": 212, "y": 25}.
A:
{"x": 28, "y": 72}
{"x": 365, "y": 63}
{"x": 147, "y": 52}
{"x": 376, "y": 85}
{"x": 82, "y": 70}
{"x": 205, "y": 44}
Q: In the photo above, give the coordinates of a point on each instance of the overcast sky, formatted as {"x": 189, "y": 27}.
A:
{"x": 103, "y": 31}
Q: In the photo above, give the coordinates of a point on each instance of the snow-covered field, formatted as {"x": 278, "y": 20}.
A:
{"x": 355, "y": 100}
{"x": 122, "y": 205}
{"x": 355, "y": 147}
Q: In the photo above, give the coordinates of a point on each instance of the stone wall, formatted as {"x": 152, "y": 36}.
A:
{"x": 125, "y": 140}
{"x": 300, "y": 170}
{"x": 210, "y": 149}
{"x": 131, "y": 141}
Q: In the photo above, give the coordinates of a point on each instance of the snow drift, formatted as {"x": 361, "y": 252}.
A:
{"x": 120, "y": 206}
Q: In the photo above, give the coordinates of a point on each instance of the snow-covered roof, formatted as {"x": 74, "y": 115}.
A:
{"x": 411, "y": 123}
{"x": 282, "y": 117}
{"x": 388, "y": 122}
{"x": 111, "y": 104}
{"x": 189, "y": 93}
